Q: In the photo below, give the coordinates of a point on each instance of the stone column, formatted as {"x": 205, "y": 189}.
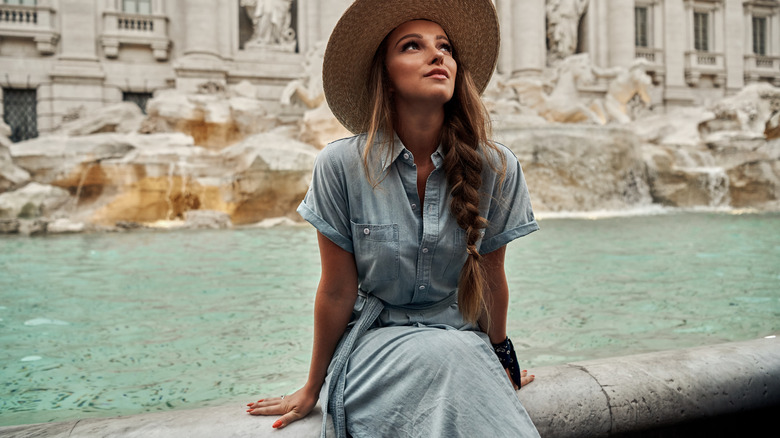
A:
{"x": 309, "y": 31}
{"x": 201, "y": 61}
{"x": 676, "y": 43}
{"x": 528, "y": 47}
{"x": 200, "y": 36}
{"x": 734, "y": 36}
{"x": 77, "y": 76}
{"x": 504, "y": 9}
{"x": 620, "y": 22}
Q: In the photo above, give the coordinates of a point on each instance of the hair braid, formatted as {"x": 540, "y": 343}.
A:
{"x": 464, "y": 132}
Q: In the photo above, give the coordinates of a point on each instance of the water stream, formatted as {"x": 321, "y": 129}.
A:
{"x": 113, "y": 324}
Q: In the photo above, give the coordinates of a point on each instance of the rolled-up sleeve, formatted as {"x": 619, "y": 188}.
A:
{"x": 326, "y": 205}
{"x": 510, "y": 215}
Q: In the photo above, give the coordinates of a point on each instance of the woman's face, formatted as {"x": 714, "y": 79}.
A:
{"x": 420, "y": 64}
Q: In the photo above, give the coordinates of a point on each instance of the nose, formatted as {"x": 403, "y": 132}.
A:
{"x": 438, "y": 57}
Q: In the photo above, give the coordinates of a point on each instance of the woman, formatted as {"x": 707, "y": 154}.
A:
{"x": 413, "y": 217}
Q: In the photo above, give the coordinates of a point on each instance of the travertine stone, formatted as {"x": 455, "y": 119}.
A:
{"x": 32, "y": 201}
{"x": 595, "y": 398}
{"x": 123, "y": 117}
{"x": 580, "y": 168}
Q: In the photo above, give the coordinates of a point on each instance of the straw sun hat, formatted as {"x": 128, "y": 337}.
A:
{"x": 471, "y": 25}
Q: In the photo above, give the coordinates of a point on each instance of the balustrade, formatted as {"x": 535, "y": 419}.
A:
{"x": 127, "y": 28}
{"x": 20, "y": 15}
{"x": 34, "y": 22}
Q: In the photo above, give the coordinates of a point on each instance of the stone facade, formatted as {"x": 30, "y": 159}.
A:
{"x": 80, "y": 55}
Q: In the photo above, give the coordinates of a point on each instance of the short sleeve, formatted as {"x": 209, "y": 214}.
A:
{"x": 326, "y": 204}
{"x": 510, "y": 215}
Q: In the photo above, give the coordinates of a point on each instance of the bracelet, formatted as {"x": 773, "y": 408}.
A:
{"x": 505, "y": 352}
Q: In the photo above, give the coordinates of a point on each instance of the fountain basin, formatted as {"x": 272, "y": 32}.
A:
{"x": 604, "y": 397}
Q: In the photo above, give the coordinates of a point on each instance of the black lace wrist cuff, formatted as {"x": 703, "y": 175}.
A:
{"x": 506, "y": 355}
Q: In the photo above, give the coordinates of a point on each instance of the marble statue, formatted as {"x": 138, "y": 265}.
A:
{"x": 627, "y": 85}
{"x": 558, "y": 99}
{"x": 308, "y": 88}
{"x": 272, "y": 21}
{"x": 563, "y": 19}
{"x": 318, "y": 126}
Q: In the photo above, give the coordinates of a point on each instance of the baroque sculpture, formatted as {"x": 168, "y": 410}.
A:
{"x": 319, "y": 126}
{"x": 272, "y": 22}
{"x": 563, "y": 19}
{"x": 559, "y": 100}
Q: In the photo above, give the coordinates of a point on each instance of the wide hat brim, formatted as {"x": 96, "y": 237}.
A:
{"x": 471, "y": 25}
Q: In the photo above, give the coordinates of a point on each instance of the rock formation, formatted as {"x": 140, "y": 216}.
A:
{"x": 222, "y": 156}
{"x": 211, "y": 159}
{"x": 11, "y": 175}
{"x": 580, "y": 168}
{"x": 123, "y": 117}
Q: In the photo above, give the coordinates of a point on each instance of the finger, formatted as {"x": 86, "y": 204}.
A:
{"x": 277, "y": 409}
{"x": 274, "y": 406}
{"x": 273, "y": 401}
{"x": 286, "y": 419}
{"x": 253, "y": 405}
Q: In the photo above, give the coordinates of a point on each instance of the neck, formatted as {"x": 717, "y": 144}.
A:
{"x": 419, "y": 128}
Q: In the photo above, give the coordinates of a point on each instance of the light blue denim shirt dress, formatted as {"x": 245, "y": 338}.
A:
{"x": 408, "y": 343}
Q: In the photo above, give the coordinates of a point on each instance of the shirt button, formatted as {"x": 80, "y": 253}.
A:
{"x": 425, "y": 250}
{"x": 414, "y": 206}
{"x": 406, "y": 156}
{"x": 422, "y": 287}
{"x": 366, "y": 231}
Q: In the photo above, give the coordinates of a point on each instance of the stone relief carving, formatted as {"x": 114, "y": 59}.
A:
{"x": 559, "y": 99}
{"x": 319, "y": 126}
{"x": 563, "y": 19}
{"x": 308, "y": 89}
{"x": 626, "y": 92}
{"x": 272, "y": 21}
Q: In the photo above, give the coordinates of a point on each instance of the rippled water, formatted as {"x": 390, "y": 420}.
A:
{"x": 113, "y": 324}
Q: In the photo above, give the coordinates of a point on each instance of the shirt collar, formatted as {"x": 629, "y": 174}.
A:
{"x": 398, "y": 148}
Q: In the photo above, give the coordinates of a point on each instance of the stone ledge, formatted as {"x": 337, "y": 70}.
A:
{"x": 604, "y": 397}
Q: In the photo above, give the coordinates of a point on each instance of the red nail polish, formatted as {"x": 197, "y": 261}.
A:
{"x": 277, "y": 424}
{"x": 260, "y": 400}
{"x": 249, "y": 404}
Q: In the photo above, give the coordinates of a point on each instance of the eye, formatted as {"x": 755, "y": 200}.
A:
{"x": 411, "y": 45}
{"x": 445, "y": 47}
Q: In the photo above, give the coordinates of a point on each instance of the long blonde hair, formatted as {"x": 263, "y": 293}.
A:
{"x": 465, "y": 133}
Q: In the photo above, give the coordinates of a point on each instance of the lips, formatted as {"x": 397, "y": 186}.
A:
{"x": 439, "y": 73}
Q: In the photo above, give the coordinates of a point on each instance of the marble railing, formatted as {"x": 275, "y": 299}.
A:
{"x": 652, "y": 55}
{"x": 762, "y": 63}
{"x": 720, "y": 390}
{"x": 35, "y": 22}
{"x": 707, "y": 61}
{"x": 142, "y": 29}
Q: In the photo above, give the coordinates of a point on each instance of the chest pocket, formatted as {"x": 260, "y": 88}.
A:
{"x": 377, "y": 251}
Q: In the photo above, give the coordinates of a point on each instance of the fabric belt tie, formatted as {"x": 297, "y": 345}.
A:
{"x": 373, "y": 307}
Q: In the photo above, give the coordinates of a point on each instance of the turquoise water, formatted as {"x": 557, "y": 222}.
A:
{"x": 112, "y": 324}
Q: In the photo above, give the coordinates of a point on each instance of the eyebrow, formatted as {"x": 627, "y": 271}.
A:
{"x": 417, "y": 35}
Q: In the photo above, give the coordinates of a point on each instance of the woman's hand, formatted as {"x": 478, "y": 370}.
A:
{"x": 524, "y": 378}
{"x": 291, "y": 408}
